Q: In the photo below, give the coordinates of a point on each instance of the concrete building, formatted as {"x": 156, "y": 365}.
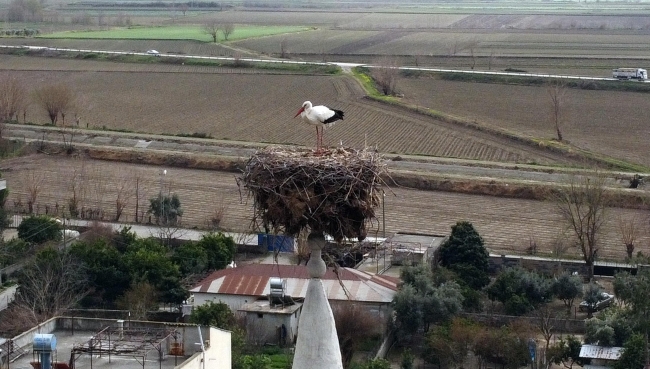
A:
{"x": 268, "y": 323}
{"x": 411, "y": 248}
{"x": 248, "y": 283}
{"x": 246, "y": 289}
{"x": 106, "y": 343}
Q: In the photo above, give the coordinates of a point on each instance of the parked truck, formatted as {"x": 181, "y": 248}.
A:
{"x": 630, "y": 73}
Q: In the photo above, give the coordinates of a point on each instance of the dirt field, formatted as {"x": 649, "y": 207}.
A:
{"x": 609, "y": 122}
{"x": 260, "y": 108}
{"x": 507, "y": 225}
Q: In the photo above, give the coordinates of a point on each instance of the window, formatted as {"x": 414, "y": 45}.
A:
{"x": 260, "y": 315}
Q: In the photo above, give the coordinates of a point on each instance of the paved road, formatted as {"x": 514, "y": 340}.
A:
{"x": 345, "y": 66}
{"x": 241, "y": 150}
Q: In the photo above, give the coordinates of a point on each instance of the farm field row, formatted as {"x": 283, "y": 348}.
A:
{"x": 175, "y": 32}
{"x": 260, "y": 108}
{"x": 414, "y": 18}
{"x": 181, "y": 47}
{"x": 18, "y": 63}
{"x": 610, "y": 122}
{"x": 248, "y": 105}
{"x": 507, "y": 225}
{"x": 527, "y": 43}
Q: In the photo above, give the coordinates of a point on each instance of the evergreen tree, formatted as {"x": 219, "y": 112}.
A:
{"x": 464, "y": 254}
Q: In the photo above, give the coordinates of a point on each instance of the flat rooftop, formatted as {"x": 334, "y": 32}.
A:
{"x": 408, "y": 240}
{"x": 65, "y": 341}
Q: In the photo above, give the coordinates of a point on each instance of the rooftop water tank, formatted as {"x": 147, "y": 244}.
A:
{"x": 44, "y": 342}
{"x": 277, "y": 287}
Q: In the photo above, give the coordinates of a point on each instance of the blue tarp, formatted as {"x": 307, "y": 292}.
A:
{"x": 275, "y": 242}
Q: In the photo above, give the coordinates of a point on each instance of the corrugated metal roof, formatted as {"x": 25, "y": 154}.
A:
{"x": 600, "y": 352}
{"x": 253, "y": 280}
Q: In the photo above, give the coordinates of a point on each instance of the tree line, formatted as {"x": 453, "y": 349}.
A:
{"x": 429, "y": 305}
{"x": 105, "y": 269}
{"x": 56, "y": 99}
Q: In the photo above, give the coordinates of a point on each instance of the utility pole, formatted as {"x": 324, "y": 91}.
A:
{"x": 160, "y": 196}
{"x": 383, "y": 213}
{"x": 162, "y": 211}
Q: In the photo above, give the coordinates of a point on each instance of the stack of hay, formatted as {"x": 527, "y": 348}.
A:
{"x": 335, "y": 193}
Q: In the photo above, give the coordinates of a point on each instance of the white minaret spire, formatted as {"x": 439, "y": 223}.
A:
{"x": 318, "y": 344}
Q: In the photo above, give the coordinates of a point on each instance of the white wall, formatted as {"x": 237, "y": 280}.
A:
{"x": 217, "y": 355}
{"x": 234, "y": 302}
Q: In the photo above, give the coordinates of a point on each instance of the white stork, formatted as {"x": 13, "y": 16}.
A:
{"x": 321, "y": 116}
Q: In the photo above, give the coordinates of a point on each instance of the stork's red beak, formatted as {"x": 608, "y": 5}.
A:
{"x": 299, "y": 111}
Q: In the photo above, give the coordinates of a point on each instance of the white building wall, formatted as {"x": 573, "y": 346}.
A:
{"x": 234, "y": 302}
{"x": 217, "y": 355}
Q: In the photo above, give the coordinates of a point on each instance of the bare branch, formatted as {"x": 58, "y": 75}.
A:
{"x": 212, "y": 29}
{"x": 50, "y": 285}
{"x": 34, "y": 184}
{"x": 629, "y": 230}
{"x": 557, "y": 92}
{"x": 385, "y": 76}
{"x": 582, "y": 204}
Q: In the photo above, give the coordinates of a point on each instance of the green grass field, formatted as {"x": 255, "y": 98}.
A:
{"x": 175, "y": 33}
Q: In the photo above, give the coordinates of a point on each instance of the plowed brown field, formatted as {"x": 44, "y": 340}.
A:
{"x": 609, "y": 122}
{"x": 507, "y": 225}
{"x": 260, "y": 108}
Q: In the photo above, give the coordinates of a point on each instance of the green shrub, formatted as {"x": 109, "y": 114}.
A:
{"x": 39, "y": 229}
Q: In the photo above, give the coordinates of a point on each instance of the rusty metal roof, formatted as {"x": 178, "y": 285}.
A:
{"x": 253, "y": 280}
{"x": 600, "y": 352}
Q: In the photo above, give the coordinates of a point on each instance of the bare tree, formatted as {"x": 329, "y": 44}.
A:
{"x": 33, "y": 187}
{"x": 98, "y": 186}
{"x": 559, "y": 245}
{"x": 353, "y": 326}
{"x": 220, "y": 210}
{"x": 472, "y": 45}
{"x": 582, "y": 204}
{"x": 490, "y": 59}
{"x": 78, "y": 184}
{"x": 212, "y": 28}
{"x": 139, "y": 300}
{"x": 453, "y": 46}
{"x": 13, "y": 98}
{"x": 544, "y": 317}
{"x": 228, "y": 29}
{"x": 629, "y": 230}
{"x": 124, "y": 194}
{"x": 56, "y": 99}
{"x": 557, "y": 92}
{"x": 53, "y": 282}
{"x": 141, "y": 189}
{"x": 82, "y": 106}
{"x": 385, "y": 75}
{"x": 284, "y": 48}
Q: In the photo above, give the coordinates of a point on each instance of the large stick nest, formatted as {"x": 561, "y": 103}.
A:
{"x": 336, "y": 192}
